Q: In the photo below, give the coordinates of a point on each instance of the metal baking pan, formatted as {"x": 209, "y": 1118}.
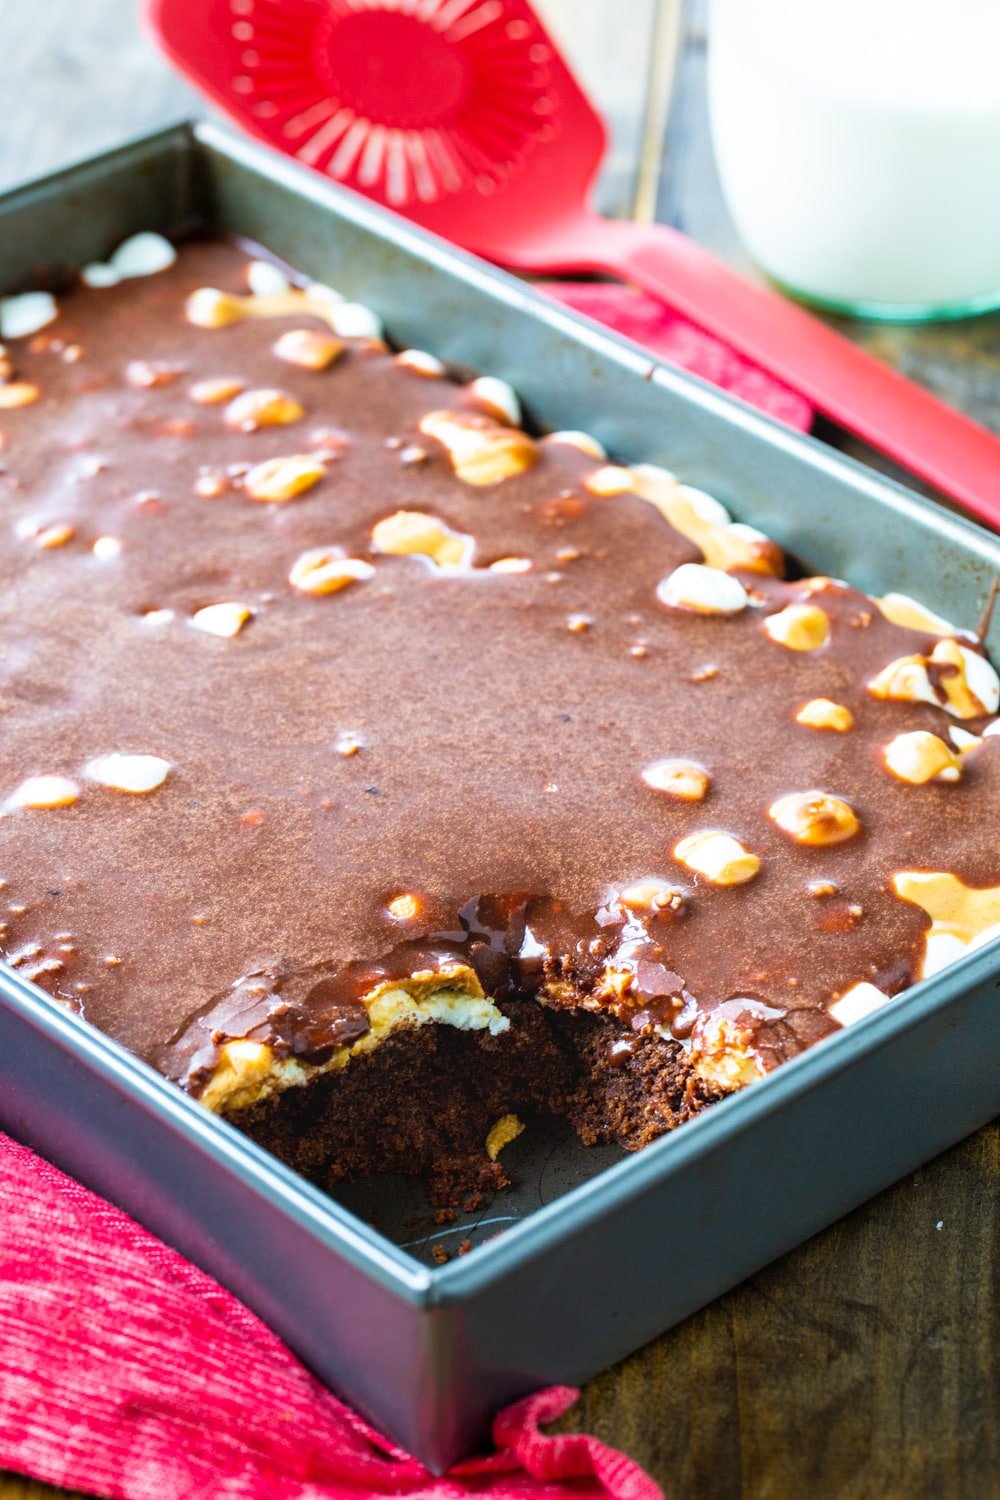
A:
{"x": 600, "y": 1252}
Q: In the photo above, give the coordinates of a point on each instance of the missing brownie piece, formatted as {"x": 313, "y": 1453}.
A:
{"x": 377, "y": 770}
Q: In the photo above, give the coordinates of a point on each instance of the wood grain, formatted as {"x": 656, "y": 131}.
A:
{"x": 863, "y": 1366}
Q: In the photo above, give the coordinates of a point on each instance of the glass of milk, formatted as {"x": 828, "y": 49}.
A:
{"x": 858, "y": 143}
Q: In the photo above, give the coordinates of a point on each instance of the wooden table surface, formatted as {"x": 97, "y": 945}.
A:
{"x": 865, "y": 1364}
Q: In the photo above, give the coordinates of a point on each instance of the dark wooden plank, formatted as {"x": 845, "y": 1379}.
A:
{"x": 13, "y": 1487}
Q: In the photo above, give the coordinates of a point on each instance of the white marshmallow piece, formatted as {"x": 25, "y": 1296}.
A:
{"x": 983, "y": 681}
{"x": 944, "y": 948}
{"x": 318, "y": 291}
{"x": 612, "y": 479}
{"x": 99, "y": 276}
{"x": 900, "y": 609}
{"x": 718, "y": 856}
{"x": 657, "y": 475}
{"x": 420, "y": 362}
{"x": 44, "y": 791}
{"x": 940, "y": 950}
{"x": 862, "y": 999}
{"x": 224, "y": 620}
{"x": 24, "y": 315}
{"x": 707, "y": 508}
{"x": 582, "y": 440}
{"x": 919, "y": 756}
{"x": 904, "y": 681}
{"x": 136, "y": 774}
{"x": 497, "y": 396}
{"x": 747, "y": 533}
{"x": 142, "y": 255}
{"x": 352, "y": 320}
{"x": 706, "y": 591}
{"x": 266, "y": 279}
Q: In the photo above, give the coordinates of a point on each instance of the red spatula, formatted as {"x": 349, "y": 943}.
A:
{"x": 462, "y": 115}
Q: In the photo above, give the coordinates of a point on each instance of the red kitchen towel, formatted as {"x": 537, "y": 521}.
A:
{"x": 647, "y": 320}
{"x": 128, "y": 1373}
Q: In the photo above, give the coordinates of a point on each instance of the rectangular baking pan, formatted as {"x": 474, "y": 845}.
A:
{"x": 601, "y": 1252}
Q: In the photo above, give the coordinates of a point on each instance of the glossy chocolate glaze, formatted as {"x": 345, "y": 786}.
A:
{"x": 499, "y": 774}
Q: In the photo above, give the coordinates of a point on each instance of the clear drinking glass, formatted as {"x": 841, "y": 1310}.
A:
{"x": 858, "y": 143}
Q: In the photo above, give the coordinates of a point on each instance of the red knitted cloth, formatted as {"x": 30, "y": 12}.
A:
{"x": 127, "y": 1372}
{"x": 678, "y": 342}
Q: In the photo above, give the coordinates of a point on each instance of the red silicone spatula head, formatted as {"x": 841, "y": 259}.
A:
{"x": 459, "y": 113}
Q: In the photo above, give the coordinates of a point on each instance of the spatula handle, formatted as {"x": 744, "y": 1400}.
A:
{"x": 900, "y": 418}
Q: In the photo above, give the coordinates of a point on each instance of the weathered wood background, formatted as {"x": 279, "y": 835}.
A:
{"x": 864, "y": 1365}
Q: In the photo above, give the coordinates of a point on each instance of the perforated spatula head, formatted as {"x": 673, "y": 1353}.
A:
{"x": 459, "y": 113}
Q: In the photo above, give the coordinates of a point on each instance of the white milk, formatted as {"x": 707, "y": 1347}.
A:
{"x": 858, "y": 143}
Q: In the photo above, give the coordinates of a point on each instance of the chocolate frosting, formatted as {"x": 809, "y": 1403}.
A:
{"x": 498, "y": 779}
